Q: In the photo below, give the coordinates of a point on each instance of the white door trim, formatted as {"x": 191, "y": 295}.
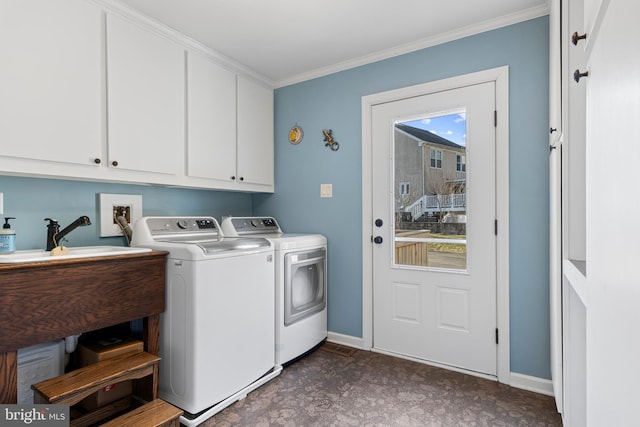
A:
{"x": 501, "y": 77}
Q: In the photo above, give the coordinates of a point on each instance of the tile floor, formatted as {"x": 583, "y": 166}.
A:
{"x": 330, "y": 388}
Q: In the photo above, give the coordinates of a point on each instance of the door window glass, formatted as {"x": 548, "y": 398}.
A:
{"x": 430, "y": 191}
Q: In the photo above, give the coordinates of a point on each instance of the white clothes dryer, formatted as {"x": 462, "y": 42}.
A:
{"x": 301, "y": 283}
{"x": 216, "y": 342}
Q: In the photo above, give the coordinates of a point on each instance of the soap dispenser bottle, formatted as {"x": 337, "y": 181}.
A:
{"x": 7, "y": 238}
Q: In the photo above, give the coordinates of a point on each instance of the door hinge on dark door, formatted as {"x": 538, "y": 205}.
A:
{"x": 497, "y": 336}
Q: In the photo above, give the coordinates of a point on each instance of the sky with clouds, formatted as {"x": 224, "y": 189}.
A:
{"x": 451, "y": 126}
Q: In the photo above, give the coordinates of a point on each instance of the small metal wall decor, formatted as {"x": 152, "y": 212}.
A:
{"x": 330, "y": 142}
{"x": 296, "y": 134}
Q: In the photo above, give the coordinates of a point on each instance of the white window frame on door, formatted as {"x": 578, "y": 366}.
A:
{"x": 500, "y": 76}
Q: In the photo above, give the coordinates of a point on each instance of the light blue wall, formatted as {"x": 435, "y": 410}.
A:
{"x": 31, "y": 200}
{"x": 334, "y": 102}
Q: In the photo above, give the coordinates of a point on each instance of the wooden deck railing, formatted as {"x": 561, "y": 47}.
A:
{"x": 438, "y": 203}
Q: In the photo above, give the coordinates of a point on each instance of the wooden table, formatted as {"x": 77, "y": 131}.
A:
{"x": 41, "y": 302}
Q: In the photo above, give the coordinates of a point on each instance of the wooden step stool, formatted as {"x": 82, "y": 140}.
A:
{"x": 157, "y": 413}
{"x": 71, "y": 388}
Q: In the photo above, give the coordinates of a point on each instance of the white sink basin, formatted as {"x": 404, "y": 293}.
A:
{"x": 40, "y": 255}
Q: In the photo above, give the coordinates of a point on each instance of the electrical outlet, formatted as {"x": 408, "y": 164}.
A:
{"x": 113, "y": 205}
{"x": 326, "y": 190}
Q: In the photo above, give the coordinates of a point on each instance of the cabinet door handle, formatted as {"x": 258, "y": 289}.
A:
{"x": 242, "y": 178}
{"x": 114, "y": 163}
{"x": 233, "y": 178}
{"x": 575, "y": 38}
{"x": 577, "y": 75}
{"x": 97, "y": 161}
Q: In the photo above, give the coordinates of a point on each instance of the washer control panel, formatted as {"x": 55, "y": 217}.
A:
{"x": 182, "y": 225}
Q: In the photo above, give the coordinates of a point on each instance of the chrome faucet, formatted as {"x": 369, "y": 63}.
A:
{"x": 55, "y": 236}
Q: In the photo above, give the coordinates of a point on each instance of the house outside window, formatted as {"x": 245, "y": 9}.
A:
{"x": 461, "y": 163}
{"x": 436, "y": 159}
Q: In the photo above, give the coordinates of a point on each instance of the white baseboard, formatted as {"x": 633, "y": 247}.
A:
{"x": 535, "y": 384}
{"x": 347, "y": 340}
{"x": 525, "y": 382}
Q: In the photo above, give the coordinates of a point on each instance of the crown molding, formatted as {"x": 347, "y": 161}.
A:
{"x": 467, "y": 31}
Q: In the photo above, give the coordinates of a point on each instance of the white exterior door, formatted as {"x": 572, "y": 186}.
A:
{"x": 434, "y": 210}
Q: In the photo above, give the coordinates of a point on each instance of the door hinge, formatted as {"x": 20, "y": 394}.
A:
{"x": 495, "y": 226}
{"x": 497, "y": 336}
{"x": 495, "y": 118}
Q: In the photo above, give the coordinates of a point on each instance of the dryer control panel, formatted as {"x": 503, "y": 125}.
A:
{"x": 242, "y": 226}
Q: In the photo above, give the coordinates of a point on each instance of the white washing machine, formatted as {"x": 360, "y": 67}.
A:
{"x": 301, "y": 283}
{"x": 216, "y": 334}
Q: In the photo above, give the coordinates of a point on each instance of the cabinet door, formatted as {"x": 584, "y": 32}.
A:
{"x": 50, "y": 80}
{"x": 145, "y": 96}
{"x": 555, "y": 200}
{"x": 211, "y": 119}
{"x": 613, "y": 155}
{"x": 255, "y": 132}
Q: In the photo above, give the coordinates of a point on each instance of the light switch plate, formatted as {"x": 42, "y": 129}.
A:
{"x": 326, "y": 190}
{"x": 108, "y": 227}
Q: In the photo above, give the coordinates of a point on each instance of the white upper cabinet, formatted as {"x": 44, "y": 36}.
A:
{"x": 211, "y": 119}
{"x": 255, "y": 133}
{"x": 50, "y": 81}
{"x": 230, "y": 127}
{"x": 145, "y": 98}
{"x": 92, "y": 91}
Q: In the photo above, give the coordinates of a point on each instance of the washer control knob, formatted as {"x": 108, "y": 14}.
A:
{"x": 182, "y": 224}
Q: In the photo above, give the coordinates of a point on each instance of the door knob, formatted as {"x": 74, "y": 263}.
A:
{"x": 577, "y": 75}
{"x": 575, "y": 38}
{"x": 377, "y": 240}
{"x": 378, "y": 222}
